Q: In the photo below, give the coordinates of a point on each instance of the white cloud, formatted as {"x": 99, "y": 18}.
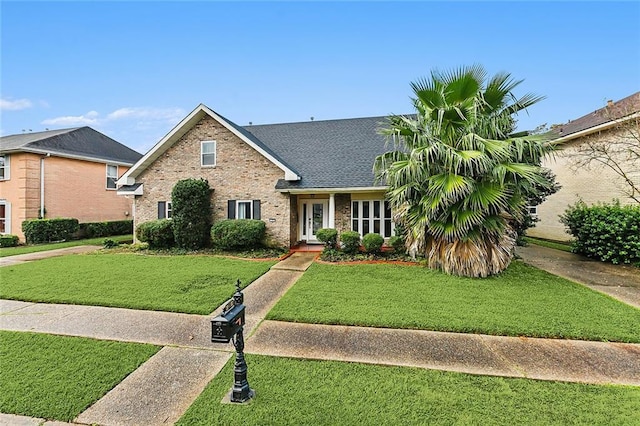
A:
{"x": 155, "y": 114}
{"x": 74, "y": 120}
{"x": 15, "y": 105}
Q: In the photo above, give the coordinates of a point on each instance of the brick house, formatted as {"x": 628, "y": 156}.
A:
{"x": 62, "y": 173}
{"x": 296, "y": 177}
{"x": 618, "y": 121}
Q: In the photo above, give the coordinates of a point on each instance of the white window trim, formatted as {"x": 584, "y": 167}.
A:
{"x": 115, "y": 178}
{"x": 382, "y": 218}
{"x": 533, "y": 210}
{"x": 7, "y": 219}
{"x": 7, "y": 167}
{"x": 250, "y": 202}
{"x": 215, "y": 153}
{"x": 168, "y": 210}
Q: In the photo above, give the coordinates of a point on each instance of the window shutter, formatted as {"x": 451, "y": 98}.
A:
{"x": 162, "y": 208}
{"x": 256, "y": 209}
{"x": 231, "y": 209}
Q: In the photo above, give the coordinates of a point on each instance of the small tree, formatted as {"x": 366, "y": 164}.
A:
{"x": 191, "y": 213}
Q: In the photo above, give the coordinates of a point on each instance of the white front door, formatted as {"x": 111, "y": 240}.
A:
{"x": 314, "y": 215}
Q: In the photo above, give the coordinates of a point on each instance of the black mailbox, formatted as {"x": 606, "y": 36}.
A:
{"x": 225, "y": 326}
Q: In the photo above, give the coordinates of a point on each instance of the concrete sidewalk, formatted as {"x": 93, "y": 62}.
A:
{"x": 22, "y": 258}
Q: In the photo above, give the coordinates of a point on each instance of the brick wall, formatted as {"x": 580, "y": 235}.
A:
{"x": 241, "y": 173}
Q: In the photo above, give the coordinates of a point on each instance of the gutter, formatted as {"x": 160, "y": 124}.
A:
{"x": 594, "y": 129}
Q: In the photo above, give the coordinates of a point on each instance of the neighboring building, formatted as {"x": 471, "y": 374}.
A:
{"x": 604, "y": 128}
{"x": 62, "y": 173}
{"x": 296, "y": 177}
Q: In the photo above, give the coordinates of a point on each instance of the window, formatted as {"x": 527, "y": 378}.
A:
{"x": 372, "y": 216}
{"x": 112, "y": 176}
{"x": 164, "y": 210}
{"x": 5, "y": 217}
{"x": 243, "y": 209}
{"x": 533, "y": 210}
{"x": 4, "y": 167}
{"x": 208, "y": 153}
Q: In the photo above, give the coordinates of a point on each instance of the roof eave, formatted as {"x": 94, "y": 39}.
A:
{"x": 66, "y": 155}
{"x": 339, "y": 190}
{"x": 595, "y": 129}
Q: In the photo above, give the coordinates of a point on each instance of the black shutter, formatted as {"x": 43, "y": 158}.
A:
{"x": 162, "y": 209}
{"x": 256, "y": 209}
{"x": 231, "y": 209}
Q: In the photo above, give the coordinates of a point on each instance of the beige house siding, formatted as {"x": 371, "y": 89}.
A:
{"x": 241, "y": 173}
{"x": 72, "y": 188}
{"x": 594, "y": 184}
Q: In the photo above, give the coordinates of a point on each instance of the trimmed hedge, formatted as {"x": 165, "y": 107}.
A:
{"x": 350, "y": 241}
{"x": 47, "y": 230}
{"x": 191, "y": 213}
{"x": 229, "y": 234}
{"x": 157, "y": 233}
{"x": 106, "y": 229}
{"x": 607, "y": 232}
{"x": 9, "y": 240}
{"x": 372, "y": 243}
{"x": 328, "y": 236}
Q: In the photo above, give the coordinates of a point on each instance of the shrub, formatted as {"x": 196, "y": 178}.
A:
{"x": 231, "y": 234}
{"x": 607, "y": 232}
{"x": 397, "y": 242}
{"x": 47, "y": 230}
{"x": 109, "y": 243}
{"x": 157, "y": 233}
{"x": 105, "y": 229}
{"x": 191, "y": 213}
{"x": 8, "y": 240}
{"x": 372, "y": 243}
{"x": 350, "y": 241}
{"x": 328, "y": 236}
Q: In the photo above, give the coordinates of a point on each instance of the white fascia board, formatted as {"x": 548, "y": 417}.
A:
{"x": 137, "y": 191}
{"x": 598, "y": 128}
{"x": 346, "y": 190}
{"x": 71, "y": 156}
{"x": 289, "y": 174}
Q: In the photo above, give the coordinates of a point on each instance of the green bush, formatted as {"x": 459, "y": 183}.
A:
{"x": 47, "y": 230}
{"x": 157, "y": 233}
{"x": 328, "y": 236}
{"x": 9, "y": 240}
{"x": 397, "y": 242}
{"x": 105, "y": 229}
{"x": 372, "y": 243}
{"x": 350, "y": 241}
{"x": 229, "y": 234}
{"x": 607, "y": 232}
{"x": 191, "y": 213}
{"x": 109, "y": 243}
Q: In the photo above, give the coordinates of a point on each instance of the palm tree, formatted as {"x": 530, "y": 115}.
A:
{"x": 458, "y": 179}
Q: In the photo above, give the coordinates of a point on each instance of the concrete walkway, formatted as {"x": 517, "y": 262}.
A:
{"x": 21, "y": 258}
{"x": 618, "y": 281}
{"x": 163, "y": 388}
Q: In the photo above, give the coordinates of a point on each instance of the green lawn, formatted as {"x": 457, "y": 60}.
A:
{"x": 523, "y": 301}
{"x": 12, "y": 251}
{"x": 549, "y": 244}
{"x": 190, "y": 284}
{"x": 56, "y": 377}
{"x": 304, "y": 392}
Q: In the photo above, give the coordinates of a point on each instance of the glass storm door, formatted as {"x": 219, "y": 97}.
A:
{"x": 314, "y": 216}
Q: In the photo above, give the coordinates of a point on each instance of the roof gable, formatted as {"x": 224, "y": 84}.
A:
{"x": 80, "y": 142}
{"x": 187, "y": 124}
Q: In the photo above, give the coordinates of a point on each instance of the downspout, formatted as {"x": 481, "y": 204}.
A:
{"x": 42, "y": 185}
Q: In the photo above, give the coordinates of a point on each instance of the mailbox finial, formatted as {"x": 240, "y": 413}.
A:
{"x": 238, "y": 297}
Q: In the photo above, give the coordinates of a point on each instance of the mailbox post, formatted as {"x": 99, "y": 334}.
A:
{"x": 223, "y": 329}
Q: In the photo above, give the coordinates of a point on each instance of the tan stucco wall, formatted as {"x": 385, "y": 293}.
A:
{"x": 593, "y": 185}
{"x": 72, "y": 188}
{"x": 241, "y": 173}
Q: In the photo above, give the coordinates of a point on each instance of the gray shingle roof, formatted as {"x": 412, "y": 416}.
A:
{"x": 328, "y": 154}
{"x": 79, "y": 142}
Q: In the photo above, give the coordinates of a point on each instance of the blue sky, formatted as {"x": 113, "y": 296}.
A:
{"x": 133, "y": 70}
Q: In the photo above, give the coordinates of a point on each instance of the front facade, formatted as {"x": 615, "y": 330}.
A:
{"x": 61, "y": 173}
{"x": 611, "y": 126}
{"x": 296, "y": 177}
